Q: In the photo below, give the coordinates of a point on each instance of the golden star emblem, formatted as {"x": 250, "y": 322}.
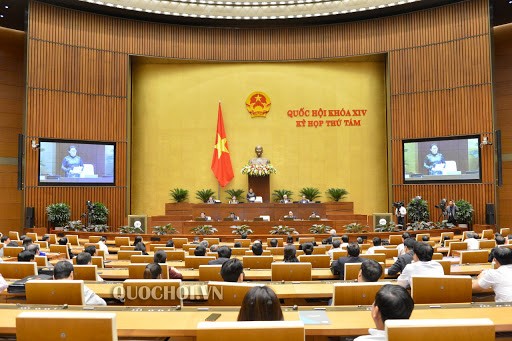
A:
{"x": 221, "y": 146}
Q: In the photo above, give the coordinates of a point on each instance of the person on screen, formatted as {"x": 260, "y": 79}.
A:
{"x": 72, "y": 164}
{"x": 434, "y": 161}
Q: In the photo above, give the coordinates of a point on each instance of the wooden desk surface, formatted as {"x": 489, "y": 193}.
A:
{"x": 165, "y": 322}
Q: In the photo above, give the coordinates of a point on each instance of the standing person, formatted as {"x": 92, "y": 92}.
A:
{"x": 451, "y": 212}
{"x": 72, "y": 164}
{"x": 434, "y": 161}
{"x": 251, "y": 196}
{"x": 400, "y": 213}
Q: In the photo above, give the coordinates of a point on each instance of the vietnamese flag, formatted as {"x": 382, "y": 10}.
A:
{"x": 221, "y": 161}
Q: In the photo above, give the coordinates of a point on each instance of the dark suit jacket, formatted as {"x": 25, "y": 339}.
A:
{"x": 400, "y": 263}
{"x": 338, "y": 266}
{"x": 218, "y": 261}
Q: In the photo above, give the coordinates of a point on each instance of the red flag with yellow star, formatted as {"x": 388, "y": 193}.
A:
{"x": 221, "y": 161}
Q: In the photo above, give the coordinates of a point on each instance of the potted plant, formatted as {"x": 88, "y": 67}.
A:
{"x": 58, "y": 214}
{"x": 131, "y": 229}
{"x": 419, "y": 225}
{"x": 204, "y": 194}
{"x": 179, "y": 194}
{"x": 464, "y": 213}
{"x": 98, "y": 214}
{"x": 75, "y": 225}
{"x": 311, "y": 193}
{"x": 203, "y": 230}
{"x": 278, "y": 194}
{"x": 336, "y": 194}
{"x": 237, "y": 193}
{"x": 356, "y": 228}
{"x": 417, "y": 210}
{"x": 385, "y": 226}
{"x": 97, "y": 228}
{"x": 281, "y": 229}
{"x": 162, "y": 230}
{"x": 241, "y": 229}
{"x": 319, "y": 229}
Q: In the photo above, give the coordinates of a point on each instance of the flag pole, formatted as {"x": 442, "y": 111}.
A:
{"x": 218, "y": 183}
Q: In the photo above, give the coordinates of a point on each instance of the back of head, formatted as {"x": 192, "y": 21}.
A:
{"x": 205, "y": 243}
{"x": 214, "y": 248}
{"x": 273, "y": 242}
{"x": 359, "y": 240}
{"x": 260, "y": 304}
{"x": 83, "y": 258}
{"x": 307, "y": 248}
{"x": 353, "y": 250}
{"x": 500, "y": 240}
{"x": 231, "y": 270}
{"x": 344, "y": 238}
{"x": 169, "y": 243}
{"x": 394, "y": 302}
{"x": 25, "y": 256}
{"x": 27, "y": 241}
{"x": 377, "y": 241}
{"x": 289, "y": 240}
{"x": 243, "y": 236}
{"x": 237, "y": 245}
{"x": 12, "y": 243}
{"x": 425, "y": 238}
{"x": 62, "y": 270}
{"x": 63, "y": 241}
{"x": 160, "y": 256}
{"x": 103, "y": 239}
{"x": 289, "y": 253}
{"x": 257, "y": 249}
{"x": 409, "y": 243}
{"x": 140, "y": 247}
{"x": 370, "y": 270}
{"x": 45, "y": 238}
{"x": 406, "y": 235}
{"x": 153, "y": 271}
{"x": 138, "y": 239}
{"x": 336, "y": 243}
{"x": 200, "y": 250}
{"x": 423, "y": 251}
{"x": 91, "y": 249}
{"x": 224, "y": 252}
{"x": 503, "y": 255}
{"x": 34, "y": 248}
{"x": 332, "y": 232}
{"x": 3, "y": 239}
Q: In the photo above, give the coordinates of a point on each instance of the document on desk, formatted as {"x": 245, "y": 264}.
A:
{"x": 314, "y": 317}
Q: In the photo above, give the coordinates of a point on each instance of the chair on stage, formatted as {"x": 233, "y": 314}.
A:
{"x": 18, "y": 270}
{"x": 126, "y": 254}
{"x": 441, "y": 329}
{"x": 442, "y": 289}
{"x": 194, "y": 262}
{"x": 317, "y": 261}
{"x": 12, "y": 251}
{"x": 69, "y": 292}
{"x": 251, "y": 330}
{"x": 356, "y": 293}
{"x": 291, "y": 271}
{"x": 136, "y": 271}
{"x": 85, "y": 272}
{"x": 66, "y": 325}
{"x": 210, "y": 273}
{"x": 153, "y": 292}
{"x": 257, "y": 262}
{"x": 141, "y": 259}
{"x": 120, "y": 241}
{"x": 474, "y": 256}
{"x": 228, "y": 293}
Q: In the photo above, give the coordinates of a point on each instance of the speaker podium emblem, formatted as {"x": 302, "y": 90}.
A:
{"x": 258, "y": 104}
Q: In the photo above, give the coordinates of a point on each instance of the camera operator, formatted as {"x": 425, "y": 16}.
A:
{"x": 450, "y": 212}
{"x": 400, "y": 212}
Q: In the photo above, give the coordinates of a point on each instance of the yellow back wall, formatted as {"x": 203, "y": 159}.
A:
{"x": 174, "y": 118}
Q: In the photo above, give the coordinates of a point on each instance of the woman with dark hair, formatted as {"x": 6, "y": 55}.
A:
{"x": 64, "y": 241}
{"x": 260, "y": 304}
{"x": 290, "y": 254}
{"x": 153, "y": 271}
{"x": 289, "y": 240}
{"x": 141, "y": 247}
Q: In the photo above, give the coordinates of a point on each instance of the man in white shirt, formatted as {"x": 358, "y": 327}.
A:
{"x": 392, "y": 302}
{"x": 102, "y": 245}
{"x": 400, "y": 247}
{"x": 4, "y": 240}
{"x": 64, "y": 270}
{"x": 500, "y": 279}
{"x": 422, "y": 265}
{"x": 377, "y": 245}
{"x": 473, "y": 243}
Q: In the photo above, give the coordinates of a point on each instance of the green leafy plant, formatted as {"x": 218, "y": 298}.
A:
{"x": 58, "y": 214}
{"x": 179, "y": 194}
{"x": 241, "y": 229}
{"x": 203, "y": 230}
{"x": 419, "y": 225}
{"x": 417, "y": 210}
{"x": 97, "y": 228}
{"x": 464, "y": 212}
{"x": 162, "y": 230}
{"x": 99, "y": 214}
{"x": 237, "y": 193}
{"x": 204, "y": 194}
{"x": 356, "y": 228}
{"x": 311, "y": 193}
{"x": 281, "y": 229}
{"x": 336, "y": 194}
{"x": 130, "y": 229}
{"x": 278, "y": 194}
{"x": 75, "y": 225}
{"x": 387, "y": 227}
{"x": 319, "y": 228}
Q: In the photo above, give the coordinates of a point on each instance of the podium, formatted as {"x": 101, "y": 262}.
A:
{"x": 260, "y": 185}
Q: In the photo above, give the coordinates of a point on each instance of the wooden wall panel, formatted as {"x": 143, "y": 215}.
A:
{"x": 439, "y": 69}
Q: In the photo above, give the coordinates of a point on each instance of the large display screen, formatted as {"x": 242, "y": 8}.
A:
{"x": 449, "y": 159}
{"x": 80, "y": 163}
